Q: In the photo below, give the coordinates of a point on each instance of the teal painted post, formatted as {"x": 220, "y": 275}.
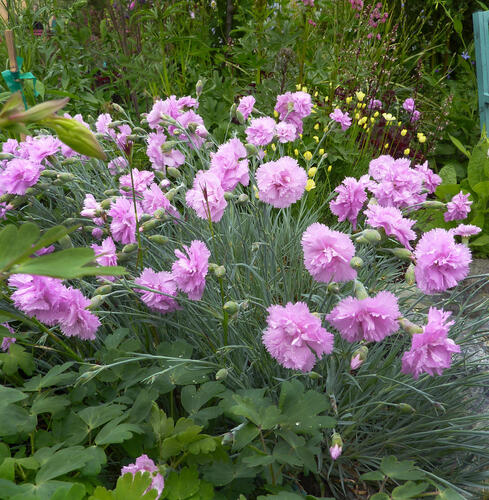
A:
{"x": 481, "y": 39}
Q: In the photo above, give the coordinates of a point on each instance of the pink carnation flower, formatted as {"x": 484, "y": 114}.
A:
{"x": 168, "y": 107}
{"x": 186, "y": 120}
{"x": 440, "y": 262}
{"x": 161, "y": 159}
{"x": 18, "y": 175}
{"x": 465, "y": 230}
{"x": 261, "y": 131}
{"x": 106, "y": 255}
{"x": 145, "y": 464}
{"x": 90, "y": 207}
{"x": 430, "y": 180}
{"x": 190, "y": 270}
{"x": 374, "y": 104}
{"x": 431, "y": 350}
{"x": 245, "y": 106}
{"x": 117, "y": 165}
{"x": 37, "y": 148}
{"x": 342, "y": 118}
{"x": 123, "y": 225}
{"x": 415, "y": 116}
{"x": 102, "y": 125}
{"x": 409, "y": 105}
{"x": 308, "y": 2}
{"x": 164, "y": 283}
{"x": 350, "y": 199}
{"x": 294, "y": 336}
{"x": 293, "y": 106}
{"x": 230, "y": 165}
{"x": 207, "y": 196}
{"x": 458, "y": 208}
{"x": 394, "y": 224}
{"x": 370, "y": 319}
{"x": 154, "y": 199}
{"x": 7, "y": 341}
{"x": 74, "y": 318}
{"x": 335, "y": 451}
{"x": 142, "y": 179}
{"x": 286, "y": 132}
{"x": 327, "y": 254}
{"x": 281, "y": 183}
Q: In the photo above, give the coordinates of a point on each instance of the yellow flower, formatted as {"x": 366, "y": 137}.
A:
{"x": 357, "y": 116}
{"x": 388, "y": 117}
{"x": 364, "y": 106}
{"x": 265, "y": 152}
{"x": 321, "y": 151}
{"x": 403, "y": 132}
{"x": 312, "y": 171}
{"x": 376, "y": 114}
{"x": 308, "y": 156}
{"x": 359, "y": 105}
{"x": 298, "y": 86}
{"x": 421, "y": 137}
{"x": 399, "y": 124}
{"x": 275, "y": 113}
{"x": 326, "y": 99}
{"x": 300, "y": 135}
{"x": 330, "y": 168}
{"x": 313, "y": 110}
{"x": 365, "y": 126}
{"x": 372, "y": 119}
{"x": 304, "y": 89}
{"x": 273, "y": 147}
{"x": 407, "y": 151}
{"x": 316, "y": 126}
{"x": 360, "y": 95}
{"x": 316, "y": 138}
{"x": 316, "y": 93}
{"x": 310, "y": 184}
{"x": 296, "y": 152}
{"x": 326, "y": 128}
{"x": 386, "y": 145}
{"x": 348, "y": 100}
{"x": 362, "y": 120}
{"x": 257, "y": 194}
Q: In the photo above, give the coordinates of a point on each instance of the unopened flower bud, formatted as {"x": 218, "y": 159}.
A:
{"x": 220, "y": 271}
{"x": 199, "y": 87}
{"x": 243, "y": 198}
{"x": 333, "y": 288}
{"x": 18, "y": 201}
{"x": 409, "y": 327}
{"x": 251, "y": 149}
{"x": 222, "y": 374}
{"x": 6, "y": 156}
{"x": 372, "y": 236}
{"x": 139, "y": 130}
{"x": 359, "y": 356}
{"x": 52, "y": 174}
{"x": 129, "y": 248}
{"x": 111, "y": 192}
{"x": 360, "y": 290}
{"x": 336, "y": 446}
{"x": 66, "y": 177}
{"x": 433, "y": 204}
{"x": 231, "y": 307}
{"x": 117, "y": 108}
{"x": 232, "y": 111}
{"x": 170, "y": 194}
{"x": 356, "y": 263}
{"x": 151, "y": 224}
{"x": 406, "y": 408}
{"x": 65, "y": 242}
{"x": 173, "y": 172}
{"x": 159, "y": 239}
{"x": 402, "y": 253}
{"x": 409, "y": 276}
{"x": 314, "y": 376}
{"x": 105, "y": 204}
{"x": 228, "y": 196}
{"x": 103, "y": 290}
{"x": 97, "y": 301}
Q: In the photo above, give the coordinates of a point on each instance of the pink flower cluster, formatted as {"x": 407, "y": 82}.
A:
{"x": 145, "y": 464}
{"x": 458, "y": 208}
{"x": 49, "y": 301}
{"x": 230, "y": 165}
{"x": 160, "y": 157}
{"x": 188, "y": 275}
{"x": 342, "y": 118}
{"x": 119, "y": 133}
{"x": 410, "y": 106}
{"x": 356, "y": 4}
{"x": 245, "y": 106}
{"x": 293, "y": 108}
{"x": 350, "y": 199}
{"x": 295, "y": 337}
{"x": 431, "y": 350}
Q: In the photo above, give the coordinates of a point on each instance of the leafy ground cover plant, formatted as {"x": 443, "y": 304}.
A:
{"x": 251, "y": 349}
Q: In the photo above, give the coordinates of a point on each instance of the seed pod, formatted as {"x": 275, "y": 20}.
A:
{"x": 409, "y": 276}
{"x": 52, "y": 174}
{"x": 105, "y": 204}
{"x": 228, "y": 196}
{"x": 66, "y": 177}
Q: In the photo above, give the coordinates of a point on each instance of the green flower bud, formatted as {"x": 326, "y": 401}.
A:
{"x": 115, "y": 124}
{"x": 199, "y": 87}
{"x": 159, "y": 239}
{"x": 6, "y": 156}
{"x": 402, "y": 253}
{"x": 151, "y": 224}
{"x": 97, "y": 301}
{"x": 251, "y": 150}
{"x": 433, "y": 204}
{"x": 240, "y": 117}
{"x": 243, "y": 198}
{"x": 145, "y": 218}
{"x": 167, "y": 146}
{"x": 356, "y": 263}
{"x": 212, "y": 267}
{"x": 105, "y": 204}
{"x": 314, "y": 375}
{"x": 192, "y": 127}
{"x": 31, "y": 191}
{"x": 220, "y": 271}
{"x": 228, "y": 196}
{"x": 360, "y": 290}
{"x": 409, "y": 276}
{"x": 65, "y": 242}
{"x": 51, "y": 174}
{"x": 231, "y": 307}
{"x": 173, "y": 172}
{"x": 222, "y": 374}
{"x": 409, "y": 327}
{"x": 18, "y": 201}
{"x": 129, "y": 248}
{"x": 232, "y": 111}
{"x": 102, "y": 290}
{"x": 170, "y": 194}
{"x": 37, "y": 113}
{"x": 406, "y": 408}
{"x": 336, "y": 440}
{"x": 372, "y": 236}
{"x": 111, "y": 192}
{"x": 6, "y": 198}
{"x": 117, "y": 108}
{"x": 139, "y": 130}
{"x": 66, "y": 177}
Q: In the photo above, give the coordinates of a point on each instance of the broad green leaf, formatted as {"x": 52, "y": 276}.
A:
{"x": 374, "y": 475}
{"x": 449, "y": 494}
{"x": 76, "y": 492}
{"x": 129, "y": 487}
{"x": 405, "y": 470}
{"x": 480, "y": 241}
{"x": 181, "y": 485}
{"x": 477, "y": 162}
{"x": 49, "y": 404}
{"x": 448, "y": 174}
{"x": 114, "y": 432}
{"x": 445, "y": 192}
{"x": 244, "y": 435}
{"x": 409, "y": 490}
{"x": 63, "y": 461}
{"x": 14, "y": 242}
{"x": 459, "y": 146}
{"x": 8, "y": 395}
{"x": 16, "y": 420}
{"x": 380, "y": 496}
{"x": 193, "y": 400}
{"x": 17, "y": 357}
{"x": 283, "y": 495}
{"x": 482, "y": 189}
{"x": 264, "y": 415}
{"x": 95, "y": 416}
{"x": 55, "y": 376}
{"x": 66, "y": 264}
